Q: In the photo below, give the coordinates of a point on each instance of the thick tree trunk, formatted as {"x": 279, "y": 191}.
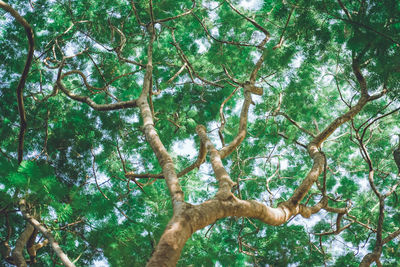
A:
{"x": 191, "y": 218}
{"x": 187, "y": 218}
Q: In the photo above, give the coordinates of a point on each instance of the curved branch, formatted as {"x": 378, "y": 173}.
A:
{"x": 222, "y": 116}
{"x": 94, "y": 105}
{"x": 194, "y": 217}
{"x": 344, "y": 9}
{"x": 80, "y": 73}
{"x": 369, "y": 259}
{"x": 189, "y": 66}
{"x": 376, "y": 119}
{"x": 33, "y": 222}
{"x": 32, "y": 248}
{"x": 22, "y": 80}
{"x": 227, "y": 150}
{"x": 314, "y": 145}
{"x": 177, "y": 73}
{"x": 338, "y": 228}
{"x": 391, "y": 236}
{"x": 120, "y": 48}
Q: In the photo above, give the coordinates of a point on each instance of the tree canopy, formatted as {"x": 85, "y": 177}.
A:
{"x": 201, "y": 133}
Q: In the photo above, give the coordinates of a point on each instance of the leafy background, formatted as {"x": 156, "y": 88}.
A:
{"x": 69, "y": 146}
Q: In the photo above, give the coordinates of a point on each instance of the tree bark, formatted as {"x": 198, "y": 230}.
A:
{"x": 18, "y": 251}
{"x": 370, "y": 258}
{"x": 188, "y": 218}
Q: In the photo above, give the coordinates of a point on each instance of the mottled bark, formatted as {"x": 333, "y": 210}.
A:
{"x": 370, "y": 258}
{"x": 187, "y": 219}
{"x": 18, "y": 251}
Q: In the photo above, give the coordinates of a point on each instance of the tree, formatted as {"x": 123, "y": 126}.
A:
{"x": 291, "y": 106}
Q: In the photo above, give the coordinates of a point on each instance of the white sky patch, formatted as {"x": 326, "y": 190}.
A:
{"x": 121, "y": 218}
{"x": 283, "y": 162}
{"x": 185, "y": 148}
{"x": 394, "y": 139}
{"x": 203, "y": 44}
{"x": 98, "y": 150}
{"x": 210, "y": 4}
{"x": 214, "y": 32}
{"x": 251, "y": 4}
{"x": 205, "y": 171}
{"x": 132, "y": 119}
{"x": 309, "y": 223}
{"x": 52, "y": 213}
{"x": 70, "y": 49}
{"x": 100, "y": 263}
{"x": 99, "y": 47}
{"x": 257, "y": 37}
{"x": 255, "y": 56}
{"x": 364, "y": 185}
{"x": 297, "y": 61}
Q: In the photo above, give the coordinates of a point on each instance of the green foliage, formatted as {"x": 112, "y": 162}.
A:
{"x": 73, "y": 177}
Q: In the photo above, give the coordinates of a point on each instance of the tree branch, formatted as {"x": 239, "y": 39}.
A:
{"x": 152, "y": 137}
{"x": 17, "y": 253}
{"x": 225, "y": 182}
{"x": 252, "y": 21}
{"x": 94, "y": 105}
{"x": 22, "y": 80}
{"x": 218, "y": 40}
{"x": 34, "y": 223}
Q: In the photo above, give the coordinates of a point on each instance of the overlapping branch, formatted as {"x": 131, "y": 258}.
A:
{"x": 38, "y": 226}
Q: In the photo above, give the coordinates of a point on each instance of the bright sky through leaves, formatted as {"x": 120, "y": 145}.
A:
{"x": 199, "y": 133}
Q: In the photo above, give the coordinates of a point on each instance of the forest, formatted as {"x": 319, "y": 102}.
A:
{"x": 200, "y": 133}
